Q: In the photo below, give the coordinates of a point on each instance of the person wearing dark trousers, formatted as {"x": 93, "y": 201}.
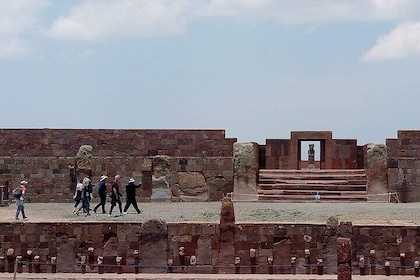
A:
{"x": 130, "y": 191}
{"x": 102, "y": 194}
{"x": 116, "y": 195}
{"x": 87, "y": 191}
{"x": 20, "y": 193}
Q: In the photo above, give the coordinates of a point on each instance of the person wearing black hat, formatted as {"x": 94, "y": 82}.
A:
{"x": 130, "y": 190}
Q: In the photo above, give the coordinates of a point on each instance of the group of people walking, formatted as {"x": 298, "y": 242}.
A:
{"x": 83, "y": 195}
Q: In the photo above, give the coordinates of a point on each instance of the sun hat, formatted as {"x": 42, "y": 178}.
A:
{"x": 23, "y": 182}
{"x": 103, "y": 177}
{"x": 131, "y": 180}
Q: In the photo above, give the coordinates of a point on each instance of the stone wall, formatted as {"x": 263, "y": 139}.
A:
{"x": 404, "y": 165}
{"x": 344, "y": 154}
{"x": 69, "y": 242}
{"x": 52, "y": 179}
{"x": 334, "y": 153}
{"x": 47, "y": 158}
{"x": 114, "y": 142}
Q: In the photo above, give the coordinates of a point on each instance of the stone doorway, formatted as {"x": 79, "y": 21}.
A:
{"x": 310, "y": 154}
{"x": 324, "y": 138}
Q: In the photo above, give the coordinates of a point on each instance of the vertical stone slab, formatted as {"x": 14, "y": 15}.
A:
{"x": 343, "y": 258}
{"x": 153, "y": 246}
{"x": 377, "y": 172}
{"x": 330, "y": 245}
{"x": 161, "y": 190}
{"x": 66, "y": 252}
{"x": 227, "y": 237}
{"x": 282, "y": 255}
{"x": 204, "y": 250}
{"x": 246, "y": 157}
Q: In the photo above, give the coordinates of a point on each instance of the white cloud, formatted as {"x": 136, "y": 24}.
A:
{"x": 102, "y": 19}
{"x": 309, "y": 11}
{"x": 16, "y": 18}
{"x": 13, "y": 48}
{"x": 402, "y": 42}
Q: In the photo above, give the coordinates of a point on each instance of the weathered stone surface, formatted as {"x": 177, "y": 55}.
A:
{"x": 161, "y": 167}
{"x": 344, "y": 272}
{"x": 227, "y": 237}
{"x": 246, "y": 171}
{"x": 161, "y": 191}
{"x": 84, "y": 157}
{"x": 330, "y": 244}
{"x": 111, "y": 247}
{"x": 343, "y": 250}
{"x": 193, "y": 186}
{"x": 153, "y": 246}
{"x": 281, "y": 253}
{"x": 66, "y": 252}
{"x": 344, "y": 255}
{"x": 204, "y": 250}
{"x": 377, "y": 172}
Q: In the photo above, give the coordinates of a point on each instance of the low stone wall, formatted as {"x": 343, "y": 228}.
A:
{"x": 155, "y": 243}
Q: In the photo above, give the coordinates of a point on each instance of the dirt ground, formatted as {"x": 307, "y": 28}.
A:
{"x": 377, "y": 213}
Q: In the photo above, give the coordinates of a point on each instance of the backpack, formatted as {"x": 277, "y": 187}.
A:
{"x": 17, "y": 193}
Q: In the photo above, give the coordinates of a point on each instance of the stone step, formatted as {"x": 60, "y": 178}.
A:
{"x": 312, "y": 171}
{"x": 270, "y": 181}
{"x": 310, "y": 192}
{"x": 298, "y": 186}
{"x": 306, "y": 198}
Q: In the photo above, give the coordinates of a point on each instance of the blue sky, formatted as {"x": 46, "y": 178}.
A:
{"x": 257, "y": 69}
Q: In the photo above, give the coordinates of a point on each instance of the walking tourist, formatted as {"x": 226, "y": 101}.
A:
{"x": 86, "y": 194}
{"x": 77, "y": 197}
{"x": 19, "y": 194}
{"x": 130, "y": 191}
{"x": 102, "y": 194}
{"x": 116, "y": 195}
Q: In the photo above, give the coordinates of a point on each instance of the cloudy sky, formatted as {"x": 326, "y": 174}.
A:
{"x": 258, "y": 69}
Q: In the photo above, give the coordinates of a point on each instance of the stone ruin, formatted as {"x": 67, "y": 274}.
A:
{"x": 195, "y": 165}
{"x": 227, "y": 247}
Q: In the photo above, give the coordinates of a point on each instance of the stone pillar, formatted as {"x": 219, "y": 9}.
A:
{"x": 153, "y": 246}
{"x": 2, "y": 266}
{"x": 19, "y": 264}
{"x": 343, "y": 258}
{"x": 161, "y": 178}
{"x": 330, "y": 245}
{"x": 91, "y": 257}
{"x": 29, "y": 260}
{"x": 136, "y": 261}
{"x": 10, "y": 260}
{"x": 377, "y": 172}
{"x": 311, "y": 156}
{"x": 246, "y": 170}
{"x": 227, "y": 237}
{"x": 66, "y": 250}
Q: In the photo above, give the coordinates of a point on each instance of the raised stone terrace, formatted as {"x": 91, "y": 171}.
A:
{"x": 283, "y": 231}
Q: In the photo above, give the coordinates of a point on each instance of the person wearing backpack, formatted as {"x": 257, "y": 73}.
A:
{"x": 19, "y": 194}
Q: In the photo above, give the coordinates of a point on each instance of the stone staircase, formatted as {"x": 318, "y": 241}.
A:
{"x": 334, "y": 185}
